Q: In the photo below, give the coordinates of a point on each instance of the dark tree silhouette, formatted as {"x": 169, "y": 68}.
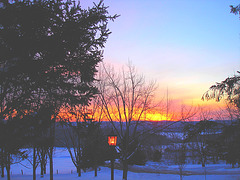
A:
{"x": 235, "y": 9}
{"x": 230, "y": 148}
{"x": 54, "y": 46}
{"x": 13, "y": 134}
{"x": 51, "y": 49}
{"x": 83, "y": 137}
{"x": 229, "y": 88}
{"x": 199, "y": 136}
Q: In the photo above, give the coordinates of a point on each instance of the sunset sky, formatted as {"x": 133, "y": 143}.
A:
{"x": 185, "y": 45}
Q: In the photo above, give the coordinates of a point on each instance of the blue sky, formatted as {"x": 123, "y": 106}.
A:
{"x": 185, "y": 45}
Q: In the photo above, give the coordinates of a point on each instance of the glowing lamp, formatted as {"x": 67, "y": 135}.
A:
{"x": 112, "y": 140}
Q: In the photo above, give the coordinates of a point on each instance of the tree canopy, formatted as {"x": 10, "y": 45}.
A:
{"x": 51, "y": 48}
{"x": 230, "y": 88}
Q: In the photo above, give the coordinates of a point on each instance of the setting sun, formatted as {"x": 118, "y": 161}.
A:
{"x": 156, "y": 117}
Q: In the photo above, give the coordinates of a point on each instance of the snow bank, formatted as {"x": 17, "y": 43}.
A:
{"x": 65, "y": 170}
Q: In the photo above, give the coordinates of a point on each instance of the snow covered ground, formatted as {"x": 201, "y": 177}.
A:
{"x": 104, "y": 174}
{"x": 65, "y": 170}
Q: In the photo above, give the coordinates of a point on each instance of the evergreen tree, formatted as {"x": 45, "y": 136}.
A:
{"x": 49, "y": 51}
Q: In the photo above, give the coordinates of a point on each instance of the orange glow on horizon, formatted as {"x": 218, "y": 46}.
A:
{"x": 67, "y": 116}
{"x": 174, "y": 113}
{"x": 156, "y": 117}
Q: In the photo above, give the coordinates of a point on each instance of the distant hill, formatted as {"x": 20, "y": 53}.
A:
{"x": 154, "y": 129}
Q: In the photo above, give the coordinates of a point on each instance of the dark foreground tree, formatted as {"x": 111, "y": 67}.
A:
{"x": 229, "y": 89}
{"x": 83, "y": 136}
{"x": 13, "y": 135}
{"x": 199, "y": 136}
{"x": 230, "y": 144}
{"x": 75, "y": 134}
{"x": 95, "y": 146}
{"x": 50, "y": 48}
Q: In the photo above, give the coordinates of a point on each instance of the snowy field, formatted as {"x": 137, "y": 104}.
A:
{"x": 104, "y": 174}
{"x": 65, "y": 170}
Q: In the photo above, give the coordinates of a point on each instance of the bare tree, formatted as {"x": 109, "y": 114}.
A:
{"x": 74, "y": 134}
{"x": 125, "y": 96}
{"x": 180, "y": 157}
{"x": 126, "y": 99}
{"x": 77, "y": 134}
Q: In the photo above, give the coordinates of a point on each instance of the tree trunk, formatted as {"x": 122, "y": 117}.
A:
{"x": 42, "y": 169}
{"x": 51, "y": 162}
{"x": 79, "y": 171}
{"x": 2, "y": 162}
{"x": 125, "y": 154}
{"x": 8, "y": 162}
{"x": 34, "y": 163}
{"x": 8, "y": 172}
{"x": 2, "y": 170}
{"x": 203, "y": 162}
{"x": 205, "y": 173}
{"x": 45, "y": 167}
{"x": 45, "y": 164}
{"x": 95, "y": 169}
{"x": 43, "y": 160}
{"x": 181, "y": 173}
{"x": 125, "y": 169}
{"x": 52, "y": 135}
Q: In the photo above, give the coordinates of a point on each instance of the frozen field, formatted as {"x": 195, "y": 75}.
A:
{"x": 65, "y": 170}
